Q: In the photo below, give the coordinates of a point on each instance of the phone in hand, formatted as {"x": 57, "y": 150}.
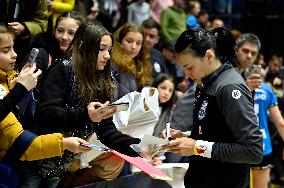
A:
{"x": 256, "y": 69}
{"x": 95, "y": 146}
{"x": 120, "y": 106}
{"x": 32, "y": 56}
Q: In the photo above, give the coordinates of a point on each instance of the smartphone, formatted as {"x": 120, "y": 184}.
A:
{"x": 95, "y": 146}
{"x": 32, "y": 56}
{"x": 120, "y": 106}
{"x": 86, "y": 145}
{"x": 256, "y": 69}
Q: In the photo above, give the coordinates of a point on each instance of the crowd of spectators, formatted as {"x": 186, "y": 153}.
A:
{"x": 142, "y": 35}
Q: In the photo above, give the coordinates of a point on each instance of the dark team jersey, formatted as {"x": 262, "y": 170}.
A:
{"x": 224, "y": 115}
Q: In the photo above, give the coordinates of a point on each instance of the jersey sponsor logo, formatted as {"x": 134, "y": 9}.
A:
{"x": 260, "y": 96}
{"x": 236, "y": 94}
{"x": 2, "y": 91}
{"x": 202, "y": 111}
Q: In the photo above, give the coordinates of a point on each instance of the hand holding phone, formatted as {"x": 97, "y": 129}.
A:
{"x": 256, "y": 69}
{"x": 32, "y": 56}
{"x": 28, "y": 76}
{"x": 95, "y": 146}
{"x": 254, "y": 78}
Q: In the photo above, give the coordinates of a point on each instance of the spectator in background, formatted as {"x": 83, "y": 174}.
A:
{"x": 25, "y": 18}
{"x": 192, "y": 11}
{"x": 110, "y": 8}
{"x": 167, "y": 98}
{"x": 157, "y": 6}
{"x": 172, "y": 21}
{"x": 138, "y": 12}
{"x": 56, "y": 8}
{"x": 203, "y": 19}
{"x": 261, "y": 61}
{"x": 151, "y": 30}
{"x": 247, "y": 48}
{"x": 94, "y": 11}
{"x": 217, "y": 22}
{"x": 131, "y": 64}
{"x": 273, "y": 75}
{"x": 97, "y": 14}
{"x": 54, "y": 46}
{"x": 123, "y": 12}
{"x": 223, "y": 6}
{"x": 236, "y": 33}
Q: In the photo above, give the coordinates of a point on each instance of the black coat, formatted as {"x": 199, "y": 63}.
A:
{"x": 9, "y": 102}
{"x": 54, "y": 112}
{"x": 58, "y": 112}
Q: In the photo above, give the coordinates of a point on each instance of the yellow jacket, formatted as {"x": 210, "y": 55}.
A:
{"x": 44, "y": 146}
{"x": 61, "y": 6}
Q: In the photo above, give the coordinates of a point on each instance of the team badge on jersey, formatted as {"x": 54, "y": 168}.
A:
{"x": 236, "y": 94}
{"x": 157, "y": 67}
{"x": 202, "y": 111}
{"x": 2, "y": 91}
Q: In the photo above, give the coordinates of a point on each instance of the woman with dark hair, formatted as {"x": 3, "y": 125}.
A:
{"x": 17, "y": 143}
{"x": 166, "y": 87}
{"x": 53, "y": 46}
{"x": 225, "y": 137}
{"x": 74, "y": 101}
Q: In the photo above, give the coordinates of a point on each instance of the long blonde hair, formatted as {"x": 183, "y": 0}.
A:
{"x": 140, "y": 66}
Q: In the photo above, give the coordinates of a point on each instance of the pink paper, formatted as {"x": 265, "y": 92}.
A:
{"x": 144, "y": 166}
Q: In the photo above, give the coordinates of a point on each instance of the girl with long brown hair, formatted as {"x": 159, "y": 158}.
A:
{"x": 74, "y": 99}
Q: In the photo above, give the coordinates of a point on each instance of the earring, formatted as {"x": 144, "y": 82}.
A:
{"x": 81, "y": 43}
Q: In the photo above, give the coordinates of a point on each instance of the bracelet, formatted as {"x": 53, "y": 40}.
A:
{"x": 203, "y": 148}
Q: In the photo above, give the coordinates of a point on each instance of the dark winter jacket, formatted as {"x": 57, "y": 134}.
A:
{"x": 58, "y": 112}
